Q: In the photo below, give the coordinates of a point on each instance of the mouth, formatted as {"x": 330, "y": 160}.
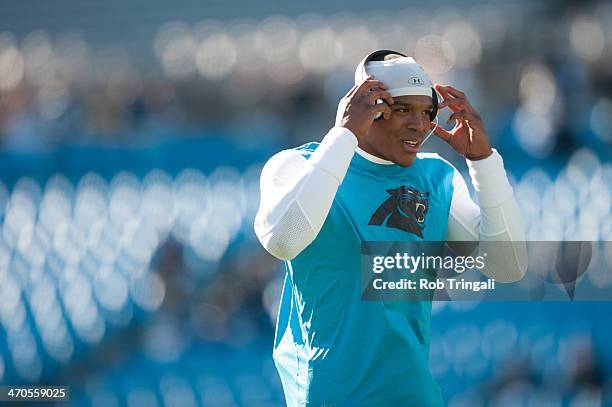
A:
{"x": 411, "y": 146}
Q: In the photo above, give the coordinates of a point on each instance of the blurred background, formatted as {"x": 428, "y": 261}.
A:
{"x": 132, "y": 135}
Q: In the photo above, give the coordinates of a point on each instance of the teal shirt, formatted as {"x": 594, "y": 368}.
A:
{"x": 331, "y": 347}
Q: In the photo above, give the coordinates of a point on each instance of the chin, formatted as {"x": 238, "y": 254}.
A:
{"x": 406, "y": 160}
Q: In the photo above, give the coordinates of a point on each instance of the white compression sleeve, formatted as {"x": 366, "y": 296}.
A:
{"x": 297, "y": 193}
{"x": 498, "y": 218}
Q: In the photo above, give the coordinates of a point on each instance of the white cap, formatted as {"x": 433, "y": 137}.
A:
{"x": 402, "y": 76}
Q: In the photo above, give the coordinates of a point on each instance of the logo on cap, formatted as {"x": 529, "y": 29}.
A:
{"x": 415, "y": 80}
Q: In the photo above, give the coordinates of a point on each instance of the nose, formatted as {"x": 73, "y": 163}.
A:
{"x": 417, "y": 122}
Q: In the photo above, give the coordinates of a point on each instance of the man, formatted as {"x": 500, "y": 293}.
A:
{"x": 319, "y": 202}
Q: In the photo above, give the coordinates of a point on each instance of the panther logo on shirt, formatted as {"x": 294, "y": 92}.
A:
{"x": 405, "y": 209}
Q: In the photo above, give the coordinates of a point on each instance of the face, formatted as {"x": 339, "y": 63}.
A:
{"x": 399, "y": 138}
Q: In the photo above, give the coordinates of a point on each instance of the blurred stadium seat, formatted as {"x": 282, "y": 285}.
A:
{"x": 79, "y": 276}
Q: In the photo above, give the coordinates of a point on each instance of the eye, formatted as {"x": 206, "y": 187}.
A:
{"x": 427, "y": 112}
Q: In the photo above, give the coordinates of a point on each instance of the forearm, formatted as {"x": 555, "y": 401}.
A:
{"x": 500, "y": 215}
{"x": 498, "y": 219}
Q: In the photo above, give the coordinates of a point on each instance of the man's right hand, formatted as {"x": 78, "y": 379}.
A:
{"x": 357, "y": 109}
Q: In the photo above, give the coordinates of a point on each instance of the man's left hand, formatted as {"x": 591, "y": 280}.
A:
{"x": 469, "y": 137}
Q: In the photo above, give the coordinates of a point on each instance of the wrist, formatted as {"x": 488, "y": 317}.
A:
{"x": 353, "y": 131}
{"x": 481, "y": 156}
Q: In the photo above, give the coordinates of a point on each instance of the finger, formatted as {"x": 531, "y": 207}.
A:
{"x": 466, "y": 116}
{"x": 451, "y": 102}
{"x": 455, "y": 92}
{"x": 449, "y": 93}
{"x": 442, "y": 90}
{"x": 454, "y": 107}
{"x": 383, "y": 108}
{"x": 447, "y": 98}
{"x": 455, "y": 116}
{"x": 441, "y": 132}
{"x": 463, "y": 115}
{"x": 351, "y": 91}
{"x": 457, "y": 105}
{"x": 371, "y": 84}
{"x": 450, "y": 90}
{"x": 380, "y": 94}
{"x": 368, "y": 84}
{"x": 450, "y": 97}
{"x": 387, "y": 113}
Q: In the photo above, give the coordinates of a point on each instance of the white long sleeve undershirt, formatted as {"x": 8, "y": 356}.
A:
{"x": 290, "y": 215}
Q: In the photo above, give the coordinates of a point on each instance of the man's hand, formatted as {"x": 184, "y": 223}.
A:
{"x": 469, "y": 137}
{"x": 357, "y": 109}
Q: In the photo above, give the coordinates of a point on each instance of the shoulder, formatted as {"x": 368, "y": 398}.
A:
{"x": 288, "y": 161}
{"x": 306, "y": 149}
{"x": 296, "y": 154}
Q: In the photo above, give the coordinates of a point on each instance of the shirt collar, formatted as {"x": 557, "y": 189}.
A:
{"x": 373, "y": 158}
